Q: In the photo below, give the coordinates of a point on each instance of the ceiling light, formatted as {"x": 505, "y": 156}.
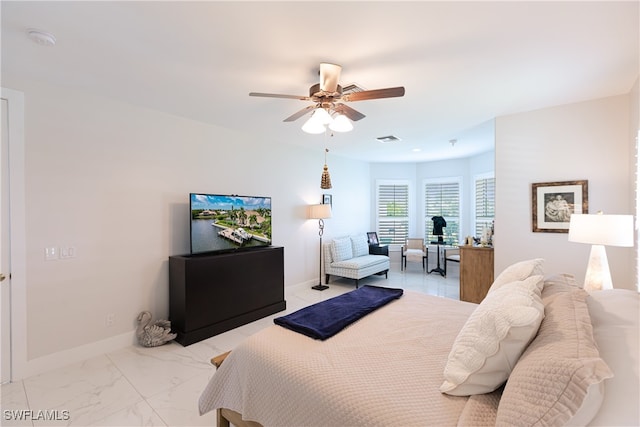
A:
{"x": 321, "y": 118}
{"x": 313, "y": 125}
{"x": 341, "y": 124}
{"x": 453, "y": 142}
{"x": 41, "y": 37}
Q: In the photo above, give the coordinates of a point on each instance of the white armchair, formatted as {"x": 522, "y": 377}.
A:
{"x": 414, "y": 250}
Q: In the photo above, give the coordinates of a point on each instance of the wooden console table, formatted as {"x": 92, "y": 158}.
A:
{"x": 476, "y": 272}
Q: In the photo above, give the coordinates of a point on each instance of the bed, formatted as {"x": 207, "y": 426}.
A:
{"x": 403, "y": 364}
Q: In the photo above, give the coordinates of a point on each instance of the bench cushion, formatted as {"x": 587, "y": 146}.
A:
{"x": 360, "y": 262}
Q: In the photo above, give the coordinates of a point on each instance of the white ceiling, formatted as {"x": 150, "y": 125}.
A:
{"x": 462, "y": 63}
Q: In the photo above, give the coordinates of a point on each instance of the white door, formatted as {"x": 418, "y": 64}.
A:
{"x": 5, "y": 281}
{"x": 13, "y": 296}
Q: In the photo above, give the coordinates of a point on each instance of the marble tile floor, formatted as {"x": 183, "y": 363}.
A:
{"x": 160, "y": 386}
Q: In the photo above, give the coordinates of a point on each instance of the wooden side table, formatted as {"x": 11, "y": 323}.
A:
{"x": 476, "y": 272}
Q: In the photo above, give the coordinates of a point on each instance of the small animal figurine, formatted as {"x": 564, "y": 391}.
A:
{"x": 153, "y": 334}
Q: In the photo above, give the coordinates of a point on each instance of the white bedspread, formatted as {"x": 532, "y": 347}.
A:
{"x": 385, "y": 369}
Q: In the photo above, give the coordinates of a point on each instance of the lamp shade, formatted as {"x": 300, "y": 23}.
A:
{"x": 319, "y": 211}
{"x": 607, "y": 230}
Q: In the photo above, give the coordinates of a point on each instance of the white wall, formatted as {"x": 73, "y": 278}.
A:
{"x": 112, "y": 180}
{"x": 587, "y": 140}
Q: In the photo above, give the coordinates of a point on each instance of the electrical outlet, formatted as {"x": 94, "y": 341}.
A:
{"x": 109, "y": 320}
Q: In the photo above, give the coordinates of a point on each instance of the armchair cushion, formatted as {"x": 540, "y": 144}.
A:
{"x": 414, "y": 250}
{"x": 414, "y": 254}
{"x": 452, "y": 255}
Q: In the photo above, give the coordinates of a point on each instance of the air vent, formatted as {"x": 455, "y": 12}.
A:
{"x": 388, "y": 139}
{"x": 351, "y": 88}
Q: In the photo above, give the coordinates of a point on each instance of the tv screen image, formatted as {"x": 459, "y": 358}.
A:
{"x": 221, "y": 222}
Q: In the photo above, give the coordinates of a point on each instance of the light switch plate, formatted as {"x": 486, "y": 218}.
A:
{"x": 50, "y": 253}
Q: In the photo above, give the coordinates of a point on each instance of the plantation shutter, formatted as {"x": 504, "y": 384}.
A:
{"x": 442, "y": 199}
{"x": 393, "y": 213}
{"x": 485, "y": 203}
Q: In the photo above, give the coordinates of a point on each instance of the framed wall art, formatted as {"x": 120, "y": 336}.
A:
{"x": 552, "y": 204}
{"x": 327, "y": 199}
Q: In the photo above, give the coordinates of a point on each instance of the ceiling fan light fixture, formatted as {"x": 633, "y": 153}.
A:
{"x": 313, "y": 125}
{"x": 322, "y": 116}
{"x": 341, "y": 124}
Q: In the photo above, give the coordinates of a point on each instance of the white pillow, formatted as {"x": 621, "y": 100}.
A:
{"x": 493, "y": 338}
{"x": 615, "y": 317}
{"x": 360, "y": 245}
{"x": 341, "y": 249}
{"x": 518, "y": 271}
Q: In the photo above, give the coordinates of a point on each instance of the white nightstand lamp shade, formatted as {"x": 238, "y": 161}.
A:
{"x": 600, "y": 231}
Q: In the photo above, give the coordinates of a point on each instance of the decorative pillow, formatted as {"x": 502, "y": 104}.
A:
{"x": 557, "y": 284}
{"x": 360, "y": 245}
{"x": 558, "y": 378}
{"x": 518, "y": 271}
{"x": 341, "y": 249}
{"x": 493, "y": 338}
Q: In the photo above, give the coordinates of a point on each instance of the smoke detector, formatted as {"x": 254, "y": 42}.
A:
{"x": 41, "y": 37}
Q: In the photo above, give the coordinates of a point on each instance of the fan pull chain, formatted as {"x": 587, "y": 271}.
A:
{"x": 325, "y": 181}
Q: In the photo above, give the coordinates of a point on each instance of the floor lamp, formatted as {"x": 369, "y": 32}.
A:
{"x": 600, "y": 230}
{"x": 320, "y": 212}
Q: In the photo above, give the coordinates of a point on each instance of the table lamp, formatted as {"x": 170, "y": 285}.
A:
{"x": 320, "y": 212}
{"x": 600, "y": 230}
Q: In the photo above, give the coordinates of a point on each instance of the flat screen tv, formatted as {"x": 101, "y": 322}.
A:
{"x": 224, "y": 222}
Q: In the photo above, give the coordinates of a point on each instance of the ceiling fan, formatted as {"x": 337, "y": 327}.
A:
{"x": 327, "y": 97}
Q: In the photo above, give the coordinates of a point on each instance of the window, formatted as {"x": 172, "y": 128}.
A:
{"x": 442, "y": 198}
{"x": 485, "y": 202}
{"x": 392, "y": 206}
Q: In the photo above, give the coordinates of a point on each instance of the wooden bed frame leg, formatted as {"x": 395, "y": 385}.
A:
{"x": 217, "y": 361}
{"x": 220, "y": 420}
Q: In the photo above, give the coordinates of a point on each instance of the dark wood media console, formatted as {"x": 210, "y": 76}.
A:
{"x": 213, "y": 293}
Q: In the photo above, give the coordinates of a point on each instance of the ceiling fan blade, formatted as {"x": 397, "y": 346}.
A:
{"x": 390, "y": 92}
{"x": 329, "y": 76}
{"x": 297, "y": 115}
{"x": 349, "y": 112}
{"x": 275, "y": 95}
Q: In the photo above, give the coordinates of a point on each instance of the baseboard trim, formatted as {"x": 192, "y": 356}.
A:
{"x": 76, "y": 354}
{"x": 87, "y": 351}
